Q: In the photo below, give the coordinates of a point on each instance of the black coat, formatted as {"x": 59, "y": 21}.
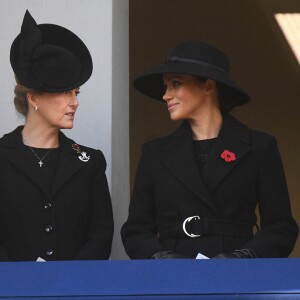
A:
{"x": 78, "y": 209}
{"x": 168, "y": 189}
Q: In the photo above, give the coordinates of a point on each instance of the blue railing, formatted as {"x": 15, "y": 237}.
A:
{"x": 153, "y": 279}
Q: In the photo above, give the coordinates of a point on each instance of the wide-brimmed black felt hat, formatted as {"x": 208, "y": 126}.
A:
{"x": 49, "y": 57}
{"x": 198, "y": 59}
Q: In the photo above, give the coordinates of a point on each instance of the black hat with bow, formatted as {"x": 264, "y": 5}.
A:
{"x": 49, "y": 57}
{"x": 198, "y": 59}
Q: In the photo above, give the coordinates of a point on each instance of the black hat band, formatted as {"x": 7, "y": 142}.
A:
{"x": 203, "y": 64}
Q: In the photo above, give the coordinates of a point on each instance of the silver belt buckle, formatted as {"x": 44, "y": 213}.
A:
{"x": 187, "y": 220}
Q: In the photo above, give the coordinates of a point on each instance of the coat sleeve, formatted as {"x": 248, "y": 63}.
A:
{"x": 279, "y": 230}
{"x": 3, "y": 255}
{"x": 139, "y": 233}
{"x": 3, "y": 252}
{"x": 101, "y": 226}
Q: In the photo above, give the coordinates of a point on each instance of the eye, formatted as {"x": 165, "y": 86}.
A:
{"x": 77, "y": 93}
{"x": 175, "y": 83}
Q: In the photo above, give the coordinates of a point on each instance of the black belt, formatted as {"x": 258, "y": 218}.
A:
{"x": 195, "y": 227}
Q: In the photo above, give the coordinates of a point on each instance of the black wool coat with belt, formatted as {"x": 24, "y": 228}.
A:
{"x": 169, "y": 189}
{"x": 72, "y": 222}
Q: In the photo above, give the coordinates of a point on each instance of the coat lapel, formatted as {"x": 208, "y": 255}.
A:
{"x": 233, "y": 137}
{"x": 19, "y": 159}
{"x": 68, "y": 163}
{"x": 178, "y": 157}
{"x": 17, "y": 156}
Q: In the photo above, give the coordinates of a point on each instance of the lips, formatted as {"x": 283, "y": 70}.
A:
{"x": 70, "y": 114}
{"x": 171, "y": 106}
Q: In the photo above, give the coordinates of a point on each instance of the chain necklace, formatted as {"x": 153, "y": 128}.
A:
{"x": 40, "y": 162}
{"x": 40, "y": 159}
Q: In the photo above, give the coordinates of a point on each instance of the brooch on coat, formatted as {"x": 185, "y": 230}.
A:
{"x": 83, "y": 156}
{"x": 228, "y": 156}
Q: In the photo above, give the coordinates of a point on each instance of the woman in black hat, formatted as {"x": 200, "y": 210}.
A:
{"x": 196, "y": 190}
{"x": 54, "y": 198}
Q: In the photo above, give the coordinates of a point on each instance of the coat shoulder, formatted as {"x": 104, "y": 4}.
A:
{"x": 13, "y": 138}
{"x": 181, "y": 134}
{"x": 259, "y": 138}
{"x": 160, "y": 144}
{"x": 239, "y": 130}
{"x": 155, "y": 143}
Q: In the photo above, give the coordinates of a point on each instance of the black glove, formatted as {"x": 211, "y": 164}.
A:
{"x": 225, "y": 255}
{"x": 242, "y": 253}
{"x": 167, "y": 255}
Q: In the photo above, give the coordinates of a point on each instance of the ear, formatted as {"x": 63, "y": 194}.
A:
{"x": 32, "y": 100}
{"x": 210, "y": 88}
{"x": 210, "y": 84}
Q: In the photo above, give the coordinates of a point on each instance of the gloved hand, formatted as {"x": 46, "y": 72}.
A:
{"x": 225, "y": 255}
{"x": 168, "y": 255}
{"x": 242, "y": 253}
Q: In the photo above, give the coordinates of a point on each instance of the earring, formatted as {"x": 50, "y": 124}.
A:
{"x": 35, "y": 108}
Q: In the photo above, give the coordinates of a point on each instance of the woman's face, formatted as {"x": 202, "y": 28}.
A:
{"x": 184, "y": 96}
{"x": 57, "y": 110}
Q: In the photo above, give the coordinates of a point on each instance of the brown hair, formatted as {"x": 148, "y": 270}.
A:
{"x": 225, "y": 106}
{"x": 20, "y": 99}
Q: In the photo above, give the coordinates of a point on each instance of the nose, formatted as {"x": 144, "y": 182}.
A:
{"x": 167, "y": 96}
{"x": 74, "y": 100}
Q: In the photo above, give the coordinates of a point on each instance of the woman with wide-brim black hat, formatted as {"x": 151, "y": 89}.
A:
{"x": 54, "y": 198}
{"x": 196, "y": 190}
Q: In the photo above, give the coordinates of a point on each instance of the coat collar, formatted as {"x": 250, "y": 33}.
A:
{"x": 178, "y": 156}
{"x": 68, "y": 163}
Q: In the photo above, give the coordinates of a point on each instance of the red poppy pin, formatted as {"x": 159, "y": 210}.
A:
{"x": 228, "y": 156}
{"x": 76, "y": 148}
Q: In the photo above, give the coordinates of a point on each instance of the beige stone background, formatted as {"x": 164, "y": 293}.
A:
{"x": 261, "y": 62}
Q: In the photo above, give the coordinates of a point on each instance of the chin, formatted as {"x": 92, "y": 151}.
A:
{"x": 176, "y": 117}
{"x": 67, "y": 127}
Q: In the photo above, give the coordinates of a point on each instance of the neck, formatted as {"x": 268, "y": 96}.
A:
{"x": 38, "y": 137}
{"x": 206, "y": 126}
